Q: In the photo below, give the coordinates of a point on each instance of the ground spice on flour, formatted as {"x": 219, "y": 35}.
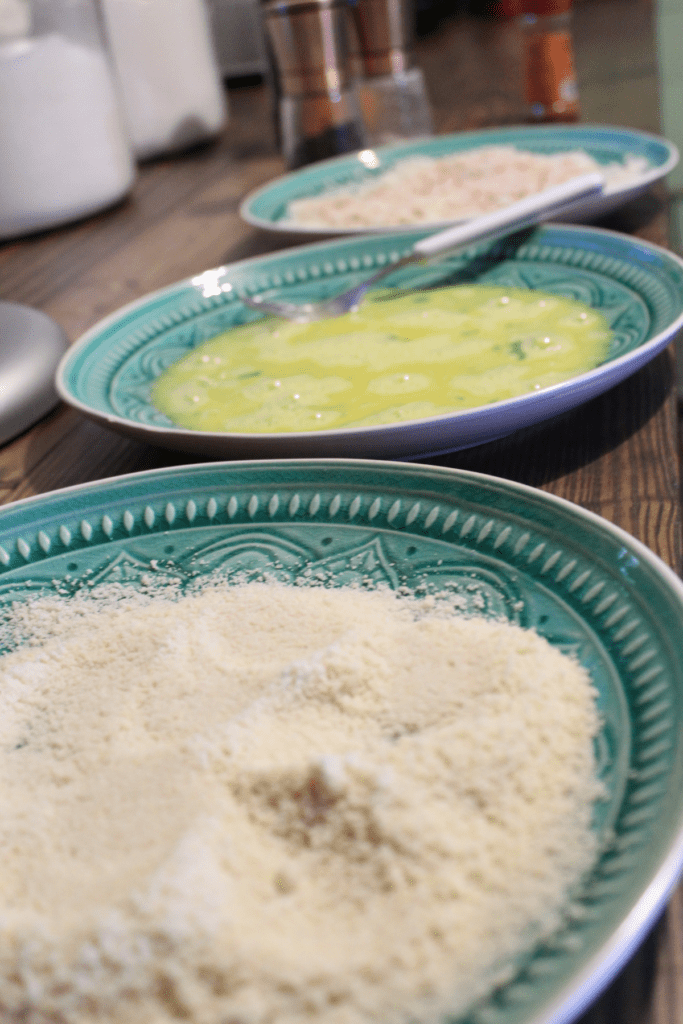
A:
{"x": 268, "y": 804}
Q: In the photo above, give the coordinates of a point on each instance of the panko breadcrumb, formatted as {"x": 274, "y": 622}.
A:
{"x": 427, "y": 190}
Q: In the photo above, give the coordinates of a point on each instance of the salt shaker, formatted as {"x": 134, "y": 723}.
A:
{"x": 168, "y": 72}
{"x": 393, "y": 96}
{"x": 64, "y": 150}
{"x": 318, "y": 110}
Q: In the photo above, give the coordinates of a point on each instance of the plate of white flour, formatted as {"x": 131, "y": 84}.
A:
{"x": 335, "y": 739}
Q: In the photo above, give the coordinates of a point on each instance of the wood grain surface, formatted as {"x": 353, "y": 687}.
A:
{"x": 617, "y": 456}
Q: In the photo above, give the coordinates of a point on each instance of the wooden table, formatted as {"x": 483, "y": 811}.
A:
{"x": 617, "y": 456}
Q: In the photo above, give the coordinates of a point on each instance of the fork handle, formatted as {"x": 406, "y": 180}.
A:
{"x": 519, "y": 215}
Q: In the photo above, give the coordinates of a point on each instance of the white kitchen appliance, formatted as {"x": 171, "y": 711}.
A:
{"x": 239, "y": 37}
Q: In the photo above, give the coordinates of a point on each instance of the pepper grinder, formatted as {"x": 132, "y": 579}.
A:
{"x": 318, "y": 110}
{"x": 393, "y": 97}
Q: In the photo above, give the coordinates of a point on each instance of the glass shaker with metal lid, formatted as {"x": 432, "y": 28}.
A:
{"x": 318, "y": 113}
{"x": 64, "y": 150}
{"x": 393, "y": 96}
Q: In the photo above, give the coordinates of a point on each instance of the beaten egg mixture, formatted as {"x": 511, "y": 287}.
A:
{"x": 400, "y": 356}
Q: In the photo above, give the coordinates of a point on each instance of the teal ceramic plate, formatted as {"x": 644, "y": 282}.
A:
{"x": 639, "y": 288}
{"x": 511, "y": 551}
{"x": 268, "y": 206}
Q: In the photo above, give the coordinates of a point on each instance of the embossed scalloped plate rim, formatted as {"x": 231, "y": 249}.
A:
{"x": 515, "y": 503}
{"x": 311, "y": 180}
{"x": 418, "y": 438}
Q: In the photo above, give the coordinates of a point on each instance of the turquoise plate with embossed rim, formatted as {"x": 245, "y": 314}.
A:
{"x": 107, "y": 374}
{"x": 512, "y": 551}
{"x": 267, "y": 207}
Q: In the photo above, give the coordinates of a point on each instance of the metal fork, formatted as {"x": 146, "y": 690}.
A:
{"x": 522, "y": 214}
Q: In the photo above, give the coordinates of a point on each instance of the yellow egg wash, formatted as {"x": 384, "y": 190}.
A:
{"x": 400, "y": 356}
